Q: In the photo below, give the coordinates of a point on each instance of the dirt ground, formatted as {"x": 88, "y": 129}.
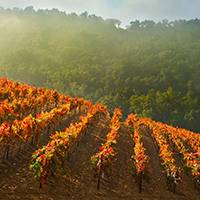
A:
{"x": 76, "y": 181}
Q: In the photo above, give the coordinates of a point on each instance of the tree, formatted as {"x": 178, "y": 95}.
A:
{"x": 114, "y": 22}
{"x": 134, "y": 25}
{"x": 84, "y": 15}
{"x": 29, "y": 10}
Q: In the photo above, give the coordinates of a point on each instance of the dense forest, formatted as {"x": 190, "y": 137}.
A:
{"x": 149, "y": 68}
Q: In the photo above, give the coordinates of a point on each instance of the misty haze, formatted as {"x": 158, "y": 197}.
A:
{"x": 100, "y": 99}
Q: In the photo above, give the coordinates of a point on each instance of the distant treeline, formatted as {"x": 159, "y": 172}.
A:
{"x": 149, "y": 68}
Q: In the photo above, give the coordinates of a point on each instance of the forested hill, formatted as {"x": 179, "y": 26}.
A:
{"x": 152, "y": 69}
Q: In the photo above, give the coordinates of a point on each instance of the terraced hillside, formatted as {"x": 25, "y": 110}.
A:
{"x": 57, "y": 147}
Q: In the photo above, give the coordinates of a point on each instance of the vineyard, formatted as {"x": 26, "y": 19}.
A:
{"x": 54, "y": 146}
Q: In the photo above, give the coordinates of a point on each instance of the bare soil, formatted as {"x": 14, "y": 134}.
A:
{"x": 77, "y": 181}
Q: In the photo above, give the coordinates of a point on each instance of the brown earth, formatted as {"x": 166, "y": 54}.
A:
{"x": 77, "y": 181}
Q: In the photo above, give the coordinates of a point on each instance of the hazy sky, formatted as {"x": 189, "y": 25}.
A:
{"x": 125, "y": 10}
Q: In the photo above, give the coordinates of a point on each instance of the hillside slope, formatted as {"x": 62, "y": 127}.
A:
{"x": 17, "y": 181}
{"x": 149, "y": 68}
{"x": 71, "y": 174}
